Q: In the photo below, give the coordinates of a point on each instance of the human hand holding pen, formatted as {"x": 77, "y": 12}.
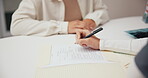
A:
{"x": 92, "y": 42}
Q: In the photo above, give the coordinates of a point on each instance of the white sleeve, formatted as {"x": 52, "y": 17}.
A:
{"x": 100, "y": 14}
{"x": 24, "y": 22}
{"x": 133, "y": 46}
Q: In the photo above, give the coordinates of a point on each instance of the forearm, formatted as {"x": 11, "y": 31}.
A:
{"x": 26, "y": 21}
{"x": 125, "y": 46}
{"x": 38, "y": 28}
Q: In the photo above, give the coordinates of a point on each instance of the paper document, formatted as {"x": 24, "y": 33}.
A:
{"x": 74, "y": 54}
{"x": 74, "y": 61}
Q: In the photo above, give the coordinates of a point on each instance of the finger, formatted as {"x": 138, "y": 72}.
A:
{"x": 91, "y": 28}
{"x": 83, "y": 42}
{"x": 81, "y": 33}
{"x": 86, "y": 27}
{"x": 79, "y": 26}
{"x": 87, "y": 32}
{"x": 84, "y": 45}
{"x": 78, "y": 34}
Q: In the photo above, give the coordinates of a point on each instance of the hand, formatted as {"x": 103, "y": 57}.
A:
{"x": 75, "y": 25}
{"x": 89, "y": 24}
{"x": 92, "y": 42}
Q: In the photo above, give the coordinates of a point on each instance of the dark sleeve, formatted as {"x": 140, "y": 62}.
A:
{"x": 142, "y": 61}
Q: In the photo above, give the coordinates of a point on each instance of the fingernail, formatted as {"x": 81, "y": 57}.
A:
{"x": 84, "y": 45}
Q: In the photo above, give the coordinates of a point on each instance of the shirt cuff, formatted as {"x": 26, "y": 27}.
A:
{"x": 64, "y": 28}
{"x": 102, "y": 44}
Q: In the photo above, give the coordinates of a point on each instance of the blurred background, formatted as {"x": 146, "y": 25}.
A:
{"x": 116, "y": 8}
{"x": 7, "y": 8}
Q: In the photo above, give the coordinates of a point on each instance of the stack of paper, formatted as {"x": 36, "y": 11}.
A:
{"x": 74, "y": 61}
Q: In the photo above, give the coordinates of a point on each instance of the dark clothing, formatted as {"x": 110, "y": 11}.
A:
{"x": 142, "y": 61}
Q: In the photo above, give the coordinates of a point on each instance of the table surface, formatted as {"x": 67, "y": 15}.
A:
{"x": 19, "y": 54}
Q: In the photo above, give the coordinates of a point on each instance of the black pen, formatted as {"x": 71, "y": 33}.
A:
{"x": 94, "y": 32}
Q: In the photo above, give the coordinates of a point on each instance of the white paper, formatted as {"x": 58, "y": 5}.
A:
{"x": 74, "y": 54}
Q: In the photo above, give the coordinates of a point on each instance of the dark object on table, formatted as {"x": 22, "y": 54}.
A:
{"x": 139, "y": 33}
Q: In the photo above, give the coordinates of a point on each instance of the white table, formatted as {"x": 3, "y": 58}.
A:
{"x": 19, "y": 55}
{"x": 114, "y": 29}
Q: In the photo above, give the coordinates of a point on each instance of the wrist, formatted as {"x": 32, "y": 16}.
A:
{"x": 101, "y": 44}
{"x": 98, "y": 44}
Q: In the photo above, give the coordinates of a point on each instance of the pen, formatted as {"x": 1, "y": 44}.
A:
{"x": 94, "y": 32}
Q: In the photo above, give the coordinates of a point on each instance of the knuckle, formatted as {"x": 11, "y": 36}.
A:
{"x": 89, "y": 40}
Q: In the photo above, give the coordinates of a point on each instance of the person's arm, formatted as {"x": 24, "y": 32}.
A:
{"x": 100, "y": 14}
{"x": 25, "y": 22}
{"x": 126, "y": 46}
{"x": 133, "y": 46}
